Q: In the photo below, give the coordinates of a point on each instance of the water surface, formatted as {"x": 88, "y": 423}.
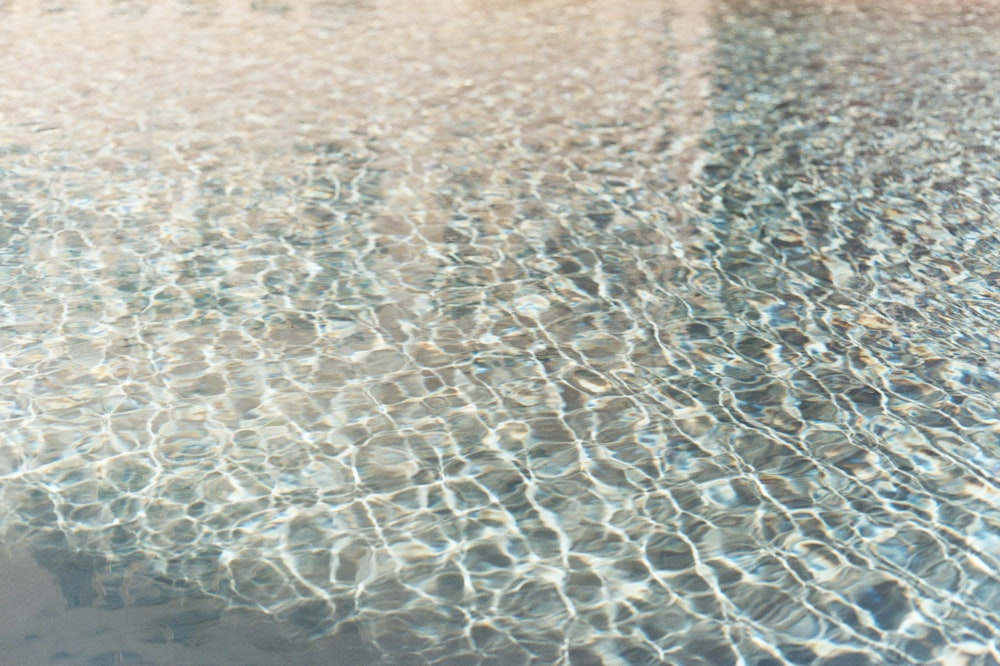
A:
{"x": 500, "y": 332}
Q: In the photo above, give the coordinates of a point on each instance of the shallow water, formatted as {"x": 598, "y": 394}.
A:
{"x": 500, "y": 332}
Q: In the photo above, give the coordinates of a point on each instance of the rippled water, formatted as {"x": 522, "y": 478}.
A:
{"x": 507, "y": 332}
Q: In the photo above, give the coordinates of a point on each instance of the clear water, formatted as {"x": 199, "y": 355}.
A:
{"x": 500, "y": 332}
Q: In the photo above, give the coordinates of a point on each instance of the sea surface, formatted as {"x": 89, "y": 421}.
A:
{"x": 499, "y": 332}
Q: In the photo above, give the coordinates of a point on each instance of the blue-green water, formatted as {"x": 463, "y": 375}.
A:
{"x": 468, "y": 333}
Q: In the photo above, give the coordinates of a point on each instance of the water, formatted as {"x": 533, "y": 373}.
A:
{"x": 500, "y": 332}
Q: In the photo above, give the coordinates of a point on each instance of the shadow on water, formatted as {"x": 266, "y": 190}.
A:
{"x": 59, "y": 609}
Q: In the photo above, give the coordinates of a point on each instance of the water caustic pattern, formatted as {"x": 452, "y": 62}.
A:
{"x": 508, "y": 332}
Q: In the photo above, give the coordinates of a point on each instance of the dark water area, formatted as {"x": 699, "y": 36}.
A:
{"x": 59, "y": 608}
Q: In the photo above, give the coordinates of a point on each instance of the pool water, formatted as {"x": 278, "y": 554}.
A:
{"x": 500, "y": 332}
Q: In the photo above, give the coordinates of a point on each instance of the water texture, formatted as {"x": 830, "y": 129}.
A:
{"x": 509, "y": 332}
